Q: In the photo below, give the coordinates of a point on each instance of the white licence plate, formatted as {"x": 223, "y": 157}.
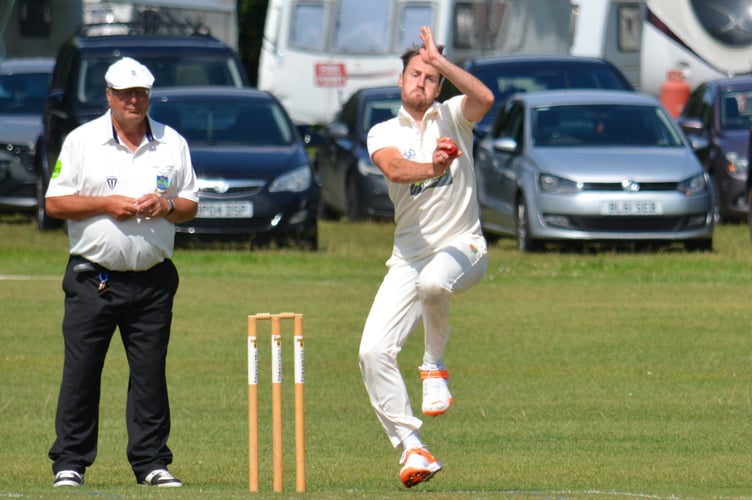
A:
{"x": 631, "y": 207}
{"x": 224, "y": 210}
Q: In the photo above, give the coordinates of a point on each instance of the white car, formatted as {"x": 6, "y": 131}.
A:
{"x": 595, "y": 166}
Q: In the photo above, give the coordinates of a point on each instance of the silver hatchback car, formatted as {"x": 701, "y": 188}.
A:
{"x": 591, "y": 166}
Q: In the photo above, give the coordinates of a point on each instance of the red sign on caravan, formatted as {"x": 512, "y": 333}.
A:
{"x": 330, "y": 75}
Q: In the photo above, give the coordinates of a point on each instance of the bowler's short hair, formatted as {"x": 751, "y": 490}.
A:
{"x": 413, "y": 51}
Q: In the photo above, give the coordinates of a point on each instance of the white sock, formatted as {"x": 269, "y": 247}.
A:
{"x": 412, "y": 441}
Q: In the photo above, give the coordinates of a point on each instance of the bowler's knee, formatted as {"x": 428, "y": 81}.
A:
{"x": 430, "y": 289}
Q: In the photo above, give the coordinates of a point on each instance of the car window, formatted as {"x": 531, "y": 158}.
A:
{"x": 692, "y": 107}
{"x": 379, "y": 110}
{"x": 603, "y": 125}
{"x": 736, "y": 110}
{"x": 509, "y": 122}
{"x": 23, "y": 93}
{"x": 259, "y": 123}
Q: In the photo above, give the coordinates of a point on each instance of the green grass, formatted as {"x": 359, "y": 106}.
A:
{"x": 611, "y": 375}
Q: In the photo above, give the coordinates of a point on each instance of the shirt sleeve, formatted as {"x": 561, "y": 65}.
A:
{"x": 65, "y": 172}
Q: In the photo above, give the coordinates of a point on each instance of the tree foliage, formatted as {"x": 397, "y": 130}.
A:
{"x": 251, "y": 16}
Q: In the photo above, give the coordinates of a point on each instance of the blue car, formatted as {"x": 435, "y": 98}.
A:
{"x": 255, "y": 177}
{"x": 351, "y": 185}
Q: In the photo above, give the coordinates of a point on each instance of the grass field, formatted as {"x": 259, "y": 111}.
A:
{"x": 606, "y": 375}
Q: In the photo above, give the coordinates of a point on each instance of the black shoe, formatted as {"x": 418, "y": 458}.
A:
{"x": 162, "y": 478}
{"x": 68, "y": 478}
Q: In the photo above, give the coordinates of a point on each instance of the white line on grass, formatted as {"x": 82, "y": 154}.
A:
{"x": 26, "y": 277}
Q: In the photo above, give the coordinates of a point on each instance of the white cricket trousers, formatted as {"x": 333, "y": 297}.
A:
{"x": 411, "y": 291}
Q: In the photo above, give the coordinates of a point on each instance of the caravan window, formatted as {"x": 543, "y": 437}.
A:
{"x": 357, "y": 27}
{"x": 413, "y": 17}
{"x": 361, "y": 27}
{"x": 308, "y": 28}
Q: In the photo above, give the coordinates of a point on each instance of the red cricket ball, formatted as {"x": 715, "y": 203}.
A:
{"x": 451, "y": 148}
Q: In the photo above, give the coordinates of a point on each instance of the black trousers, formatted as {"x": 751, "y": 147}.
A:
{"x": 139, "y": 304}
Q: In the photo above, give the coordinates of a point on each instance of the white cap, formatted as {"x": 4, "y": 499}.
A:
{"x": 128, "y": 73}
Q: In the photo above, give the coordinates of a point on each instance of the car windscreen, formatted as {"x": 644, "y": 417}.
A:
{"x": 225, "y": 122}
{"x": 23, "y": 93}
{"x": 603, "y": 125}
{"x": 168, "y": 71}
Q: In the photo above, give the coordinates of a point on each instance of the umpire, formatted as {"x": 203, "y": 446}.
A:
{"x": 122, "y": 181}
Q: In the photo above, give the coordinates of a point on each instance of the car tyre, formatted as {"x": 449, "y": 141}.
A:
{"x": 355, "y": 212}
{"x": 522, "y": 229}
{"x": 705, "y": 245}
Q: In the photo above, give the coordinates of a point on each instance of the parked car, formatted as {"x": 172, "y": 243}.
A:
{"x": 254, "y": 174}
{"x": 23, "y": 87}
{"x": 508, "y": 75}
{"x": 717, "y": 115}
{"x": 591, "y": 166}
{"x": 351, "y": 184}
{"x": 77, "y": 89}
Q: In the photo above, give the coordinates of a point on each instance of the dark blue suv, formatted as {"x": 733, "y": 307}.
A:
{"x": 77, "y": 89}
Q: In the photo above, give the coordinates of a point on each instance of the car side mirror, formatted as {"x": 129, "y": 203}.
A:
{"x": 691, "y": 126}
{"x": 505, "y": 145}
{"x": 698, "y": 143}
{"x": 338, "y": 130}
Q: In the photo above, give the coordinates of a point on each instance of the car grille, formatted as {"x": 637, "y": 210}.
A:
{"x": 631, "y": 224}
{"x": 617, "y": 186}
{"x": 236, "y": 192}
{"x": 24, "y": 153}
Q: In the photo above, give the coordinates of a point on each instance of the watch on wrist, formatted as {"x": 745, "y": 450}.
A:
{"x": 172, "y": 206}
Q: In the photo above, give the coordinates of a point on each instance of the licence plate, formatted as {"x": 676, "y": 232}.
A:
{"x": 224, "y": 210}
{"x": 631, "y": 207}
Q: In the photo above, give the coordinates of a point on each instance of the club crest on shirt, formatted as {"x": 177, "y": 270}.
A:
{"x": 163, "y": 182}
{"x": 111, "y": 183}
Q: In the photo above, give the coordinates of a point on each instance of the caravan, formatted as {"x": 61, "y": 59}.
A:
{"x": 316, "y": 53}
{"x": 645, "y": 39}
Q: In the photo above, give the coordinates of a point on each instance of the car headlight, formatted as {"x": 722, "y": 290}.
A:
{"x": 694, "y": 185}
{"x": 294, "y": 181}
{"x": 736, "y": 164}
{"x": 558, "y": 185}
{"x": 366, "y": 167}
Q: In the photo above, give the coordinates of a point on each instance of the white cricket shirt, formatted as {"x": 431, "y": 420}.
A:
{"x": 430, "y": 214}
{"x": 93, "y": 163}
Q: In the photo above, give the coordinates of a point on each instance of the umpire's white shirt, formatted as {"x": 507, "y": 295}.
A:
{"x": 93, "y": 163}
{"x": 432, "y": 213}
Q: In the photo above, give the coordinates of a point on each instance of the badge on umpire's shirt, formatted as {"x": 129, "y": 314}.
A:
{"x": 163, "y": 182}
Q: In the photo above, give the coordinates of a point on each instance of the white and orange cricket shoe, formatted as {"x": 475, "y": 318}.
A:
{"x": 436, "y": 396}
{"x": 418, "y": 466}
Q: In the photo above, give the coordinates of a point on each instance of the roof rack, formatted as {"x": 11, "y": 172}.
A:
{"x": 146, "y": 27}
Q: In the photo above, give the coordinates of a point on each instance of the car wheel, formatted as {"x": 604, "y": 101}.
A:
{"x": 44, "y": 221}
{"x": 326, "y": 213}
{"x": 354, "y": 210}
{"x": 522, "y": 229}
{"x": 699, "y": 245}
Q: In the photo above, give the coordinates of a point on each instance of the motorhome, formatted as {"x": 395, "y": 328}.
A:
{"x": 316, "y": 53}
{"x": 703, "y": 39}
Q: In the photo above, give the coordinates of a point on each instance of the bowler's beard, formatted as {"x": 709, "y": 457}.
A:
{"x": 418, "y": 104}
